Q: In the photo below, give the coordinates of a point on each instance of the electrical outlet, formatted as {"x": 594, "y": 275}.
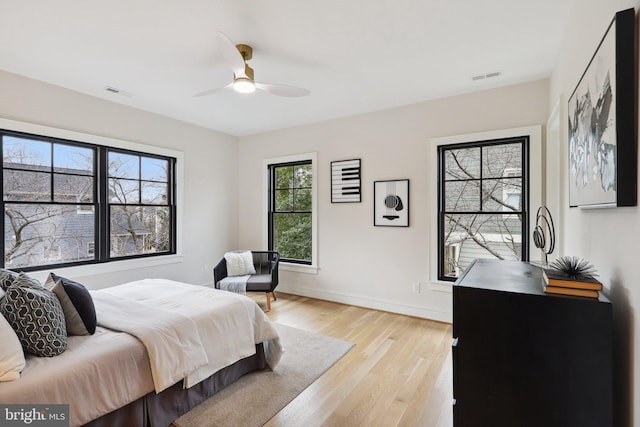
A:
{"x": 206, "y": 268}
{"x": 416, "y": 287}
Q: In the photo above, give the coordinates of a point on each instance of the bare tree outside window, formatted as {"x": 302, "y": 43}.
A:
{"x": 483, "y": 202}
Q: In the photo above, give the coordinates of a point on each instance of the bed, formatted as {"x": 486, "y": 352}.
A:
{"x": 119, "y": 376}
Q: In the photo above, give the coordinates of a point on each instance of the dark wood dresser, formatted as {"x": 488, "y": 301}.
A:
{"x": 524, "y": 358}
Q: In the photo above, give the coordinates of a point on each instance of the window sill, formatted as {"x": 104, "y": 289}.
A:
{"x": 110, "y": 267}
{"x": 299, "y": 268}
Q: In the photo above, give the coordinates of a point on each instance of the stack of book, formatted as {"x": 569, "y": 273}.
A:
{"x": 557, "y": 282}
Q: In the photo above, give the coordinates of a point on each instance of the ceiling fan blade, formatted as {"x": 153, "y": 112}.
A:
{"x": 231, "y": 55}
{"x": 282, "y": 90}
{"x": 212, "y": 91}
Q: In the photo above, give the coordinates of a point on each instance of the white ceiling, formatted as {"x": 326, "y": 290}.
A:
{"x": 354, "y": 55}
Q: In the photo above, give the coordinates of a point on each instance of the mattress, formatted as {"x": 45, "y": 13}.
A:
{"x": 102, "y": 372}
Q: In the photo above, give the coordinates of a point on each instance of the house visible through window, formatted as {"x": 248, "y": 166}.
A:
{"x": 69, "y": 203}
{"x": 290, "y": 211}
{"x": 483, "y": 203}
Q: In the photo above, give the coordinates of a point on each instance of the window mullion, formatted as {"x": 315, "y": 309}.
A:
{"x": 51, "y": 175}
{"x": 481, "y": 186}
{"x": 102, "y": 214}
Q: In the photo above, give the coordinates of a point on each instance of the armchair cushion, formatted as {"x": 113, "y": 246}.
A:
{"x": 259, "y": 283}
{"x": 239, "y": 263}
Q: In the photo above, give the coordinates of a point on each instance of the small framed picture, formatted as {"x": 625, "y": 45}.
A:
{"x": 345, "y": 181}
{"x": 391, "y": 203}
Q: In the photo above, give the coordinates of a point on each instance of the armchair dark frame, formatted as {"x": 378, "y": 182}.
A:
{"x": 266, "y": 277}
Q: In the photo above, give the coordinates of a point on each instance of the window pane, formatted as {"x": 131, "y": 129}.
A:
{"x": 124, "y": 165}
{"x": 462, "y": 196}
{"x": 158, "y": 221}
{"x": 302, "y": 176}
{"x": 46, "y": 234}
{"x": 480, "y": 236}
{"x": 20, "y": 152}
{"x": 284, "y": 177}
{"x": 502, "y": 195}
{"x": 502, "y": 160}
{"x": 26, "y": 186}
{"x": 137, "y": 230}
{"x": 284, "y": 200}
{"x": 72, "y": 159}
{"x": 127, "y": 231}
{"x": 154, "y": 193}
{"x": 292, "y": 236}
{"x": 154, "y": 169}
{"x": 72, "y": 188}
{"x": 462, "y": 163}
{"x": 123, "y": 191}
{"x": 303, "y": 199}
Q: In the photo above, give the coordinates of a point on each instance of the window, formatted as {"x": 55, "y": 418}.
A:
{"x": 483, "y": 203}
{"x": 290, "y": 216}
{"x": 139, "y": 204}
{"x": 58, "y": 211}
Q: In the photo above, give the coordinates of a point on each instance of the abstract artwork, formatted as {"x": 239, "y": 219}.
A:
{"x": 602, "y": 146}
{"x": 345, "y": 181}
{"x": 391, "y": 203}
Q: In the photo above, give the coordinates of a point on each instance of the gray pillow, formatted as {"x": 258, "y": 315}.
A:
{"x": 77, "y": 304}
{"x": 7, "y": 277}
{"x": 35, "y": 314}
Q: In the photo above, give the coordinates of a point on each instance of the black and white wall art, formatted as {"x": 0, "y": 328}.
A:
{"x": 602, "y": 143}
{"x": 346, "y": 181}
{"x": 391, "y": 203}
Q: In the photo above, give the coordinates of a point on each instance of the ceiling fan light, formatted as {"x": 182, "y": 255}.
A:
{"x": 244, "y": 85}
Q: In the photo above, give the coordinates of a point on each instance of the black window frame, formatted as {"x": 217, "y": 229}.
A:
{"x": 271, "y": 211}
{"x": 525, "y": 196}
{"x": 100, "y": 204}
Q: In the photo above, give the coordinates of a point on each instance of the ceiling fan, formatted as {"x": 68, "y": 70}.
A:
{"x": 236, "y": 57}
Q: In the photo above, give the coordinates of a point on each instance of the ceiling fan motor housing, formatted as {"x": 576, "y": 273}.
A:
{"x": 245, "y": 50}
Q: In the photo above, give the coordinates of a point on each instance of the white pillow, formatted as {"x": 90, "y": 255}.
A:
{"x": 239, "y": 263}
{"x": 11, "y": 355}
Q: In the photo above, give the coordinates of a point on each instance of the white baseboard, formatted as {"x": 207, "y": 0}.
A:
{"x": 374, "y": 303}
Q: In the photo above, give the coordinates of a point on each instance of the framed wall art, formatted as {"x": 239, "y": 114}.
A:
{"x": 602, "y": 122}
{"x": 391, "y": 203}
{"x": 345, "y": 181}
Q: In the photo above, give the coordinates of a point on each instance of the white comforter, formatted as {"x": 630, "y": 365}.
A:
{"x": 169, "y": 316}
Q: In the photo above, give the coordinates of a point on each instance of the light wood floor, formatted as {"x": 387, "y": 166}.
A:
{"x": 398, "y": 374}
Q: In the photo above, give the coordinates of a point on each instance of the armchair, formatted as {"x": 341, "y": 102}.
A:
{"x": 266, "y": 277}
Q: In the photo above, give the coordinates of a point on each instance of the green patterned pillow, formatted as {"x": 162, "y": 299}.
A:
{"x": 35, "y": 314}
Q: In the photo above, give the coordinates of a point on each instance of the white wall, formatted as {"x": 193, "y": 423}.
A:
{"x": 608, "y": 238}
{"x": 358, "y": 263}
{"x": 209, "y": 196}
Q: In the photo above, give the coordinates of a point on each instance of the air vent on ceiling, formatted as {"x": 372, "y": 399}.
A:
{"x": 118, "y": 91}
{"x": 490, "y": 75}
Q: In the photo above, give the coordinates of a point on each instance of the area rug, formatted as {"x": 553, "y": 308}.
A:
{"x": 255, "y": 398}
